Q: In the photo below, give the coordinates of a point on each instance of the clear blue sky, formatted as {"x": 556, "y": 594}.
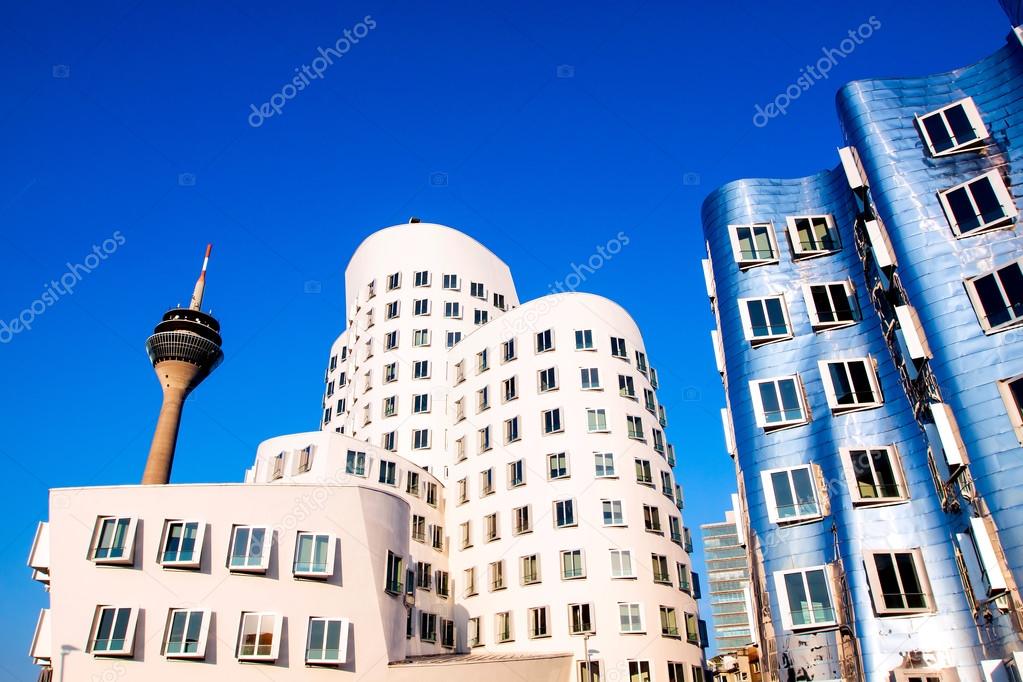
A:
{"x": 132, "y": 117}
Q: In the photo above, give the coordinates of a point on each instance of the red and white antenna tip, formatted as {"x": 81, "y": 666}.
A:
{"x": 206, "y": 258}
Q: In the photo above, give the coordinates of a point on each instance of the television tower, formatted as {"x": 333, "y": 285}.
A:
{"x": 184, "y": 349}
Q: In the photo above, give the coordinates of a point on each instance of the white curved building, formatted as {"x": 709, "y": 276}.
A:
{"x": 491, "y": 494}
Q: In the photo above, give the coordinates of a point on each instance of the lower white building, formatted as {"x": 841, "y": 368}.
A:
{"x": 539, "y": 536}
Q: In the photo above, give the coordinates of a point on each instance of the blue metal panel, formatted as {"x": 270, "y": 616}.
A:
{"x": 847, "y": 532}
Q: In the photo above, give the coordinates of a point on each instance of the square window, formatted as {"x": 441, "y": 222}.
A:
{"x": 580, "y": 619}
{"x": 613, "y": 514}
{"x": 813, "y": 235}
{"x": 538, "y": 622}
{"x": 791, "y": 494}
{"x": 806, "y": 598}
{"x": 113, "y": 540}
{"x": 355, "y": 464}
{"x": 652, "y": 519}
{"x": 604, "y": 464}
{"x": 850, "y": 384}
{"x": 522, "y": 521}
{"x": 584, "y": 339}
{"x": 327, "y": 641}
{"x": 778, "y": 403}
{"x": 557, "y": 466}
{"x": 422, "y": 278}
{"x": 753, "y": 244}
{"x": 420, "y": 403}
{"x": 314, "y": 555}
{"x": 451, "y": 282}
{"x": 453, "y": 310}
{"x": 420, "y": 337}
{"x": 480, "y": 316}
{"x": 630, "y": 617}
{"x": 898, "y": 582}
{"x": 564, "y": 513}
{"x": 547, "y": 379}
{"x": 589, "y": 378}
{"x": 765, "y": 319}
{"x": 182, "y": 544}
{"x": 185, "y": 633}
{"x": 452, "y": 339}
{"x": 831, "y": 305}
{"x": 644, "y": 474}
{"x": 113, "y": 631}
{"x": 393, "y": 281}
{"x": 477, "y": 290}
{"x": 511, "y": 430}
{"x": 956, "y": 127}
{"x": 388, "y": 473}
{"x": 572, "y": 564}
{"x": 596, "y": 420}
{"x": 529, "y": 569}
{"x": 259, "y": 637}
{"x": 391, "y": 310}
{"x": 635, "y": 427}
{"x": 250, "y": 548}
{"x": 421, "y": 369}
{"x": 621, "y": 564}
{"x": 978, "y": 205}
{"x": 552, "y": 421}
{"x": 626, "y": 386}
{"x": 421, "y": 307}
{"x": 997, "y": 297}
{"x": 618, "y": 349}
{"x": 545, "y": 341}
{"x": 874, "y": 475}
{"x": 669, "y": 622}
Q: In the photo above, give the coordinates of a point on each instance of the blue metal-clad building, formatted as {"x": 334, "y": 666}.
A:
{"x": 870, "y": 338}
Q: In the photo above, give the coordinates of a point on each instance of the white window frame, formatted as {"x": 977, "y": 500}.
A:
{"x": 566, "y": 504}
{"x": 264, "y": 558}
{"x": 537, "y": 616}
{"x": 127, "y": 555}
{"x": 311, "y": 572}
{"x": 783, "y": 598}
{"x": 589, "y": 379}
{"x": 420, "y": 307}
{"x": 612, "y": 513}
{"x": 863, "y": 455}
{"x": 747, "y": 324}
{"x": 767, "y": 480}
{"x": 584, "y": 336}
{"x": 813, "y": 313}
{"x": 590, "y": 620}
{"x": 582, "y": 564}
{"x": 551, "y": 376}
{"x": 798, "y": 248}
{"x": 421, "y": 278}
{"x": 637, "y": 623}
{"x": 567, "y": 469}
{"x": 547, "y": 338}
{"x": 1013, "y": 409}
{"x": 452, "y": 310}
{"x": 342, "y": 649}
{"x": 972, "y": 113}
{"x": 824, "y": 366}
{"x": 558, "y": 428}
{"x": 200, "y": 537}
{"x": 624, "y": 557}
{"x": 529, "y": 578}
{"x": 873, "y": 579}
{"x": 598, "y": 423}
{"x": 1003, "y": 194}
{"x": 128, "y": 644}
{"x": 758, "y": 405}
{"x": 451, "y": 282}
{"x": 204, "y": 628}
{"x": 275, "y": 644}
{"x": 605, "y": 457}
{"x": 971, "y": 290}
{"x": 747, "y": 262}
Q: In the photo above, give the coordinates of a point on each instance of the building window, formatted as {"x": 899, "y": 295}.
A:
{"x": 473, "y": 635}
{"x": 421, "y": 278}
{"x": 898, "y": 582}
{"x": 388, "y": 474}
{"x": 547, "y": 379}
{"x": 496, "y": 569}
{"x": 421, "y": 369}
{"x": 113, "y": 631}
{"x": 452, "y": 339}
{"x": 612, "y": 511}
{"x": 552, "y": 421}
{"x": 652, "y": 519}
{"x": 470, "y": 582}
{"x": 420, "y": 403}
{"x": 753, "y": 244}
{"x": 521, "y": 520}
{"x": 418, "y": 528}
{"x": 483, "y": 399}
{"x": 314, "y": 555}
{"x": 998, "y": 297}
{"x": 477, "y": 290}
{"x": 327, "y": 641}
{"x": 954, "y": 128}
{"x": 584, "y": 339}
{"x": 466, "y": 529}
{"x": 508, "y": 350}
{"x": 390, "y": 372}
{"x": 874, "y": 475}
{"x": 428, "y": 627}
{"x": 482, "y": 361}
{"x": 981, "y": 204}
{"x": 813, "y": 235}
{"x": 484, "y": 439}
{"x": 388, "y": 441}
{"x": 510, "y": 389}
{"x": 850, "y": 384}
{"x": 644, "y": 474}
{"x": 635, "y": 427}
{"x": 529, "y": 569}
{"x": 490, "y": 528}
{"x": 677, "y": 672}
{"x": 421, "y": 307}
{"x": 186, "y": 633}
{"x": 544, "y": 341}
{"x": 113, "y": 540}
{"x": 572, "y": 564}
{"x": 393, "y": 281}
{"x": 355, "y": 463}
{"x": 453, "y": 310}
{"x": 778, "y": 402}
{"x": 557, "y": 465}
{"x": 830, "y": 305}
{"x": 659, "y": 562}
{"x": 630, "y": 617}
{"x": 394, "y": 571}
{"x": 443, "y": 584}
{"x": 596, "y": 421}
{"x": 621, "y": 564}
{"x": 391, "y": 310}
{"x": 765, "y": 319}
{"x": 1012, "y": 396}
{"x": 589, "y": 378}
{"x": 806, "y": 599}
{"x": 447, "y": 633}
{"x": 626, "y": 386}
{"x": 480, "y": 316}
{"x": 927, "y": 675}
{"x": 683, "y": 576}
{"x": 420, "y": 337}
{"x": 486, "y": 482}
{"x": 580, "y": 619}
{"x": 451, "y": 282}
{"x": 503, "y": 627}
{"x": 424, "y": 575}
{"x": 669, "y": 623}
{"x": 260, "y": 637}
{"x": 250, "y": 548}
{"x": 604, "y": 464}
{"x": 390, "y": 406}
{"x": 618, "y": 349}
{"x": 791, "y": 494}
{"x": 182, "y": 544}
{"x": 516, "y": 473}
{"x": 564, "y": 513}
{"x": 538, "y": 619}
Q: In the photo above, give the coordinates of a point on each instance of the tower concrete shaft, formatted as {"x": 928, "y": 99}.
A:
{"x": 184, "y": 349}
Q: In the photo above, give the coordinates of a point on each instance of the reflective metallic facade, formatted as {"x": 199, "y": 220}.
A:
{"x": 939, "y": 374}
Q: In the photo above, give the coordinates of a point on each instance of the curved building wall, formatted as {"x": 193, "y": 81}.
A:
{"x": 580, "y": 483}
{"x": 356, "y": 385}
{"x": 839, "y": 533}
{"x": 878, "y": 117}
